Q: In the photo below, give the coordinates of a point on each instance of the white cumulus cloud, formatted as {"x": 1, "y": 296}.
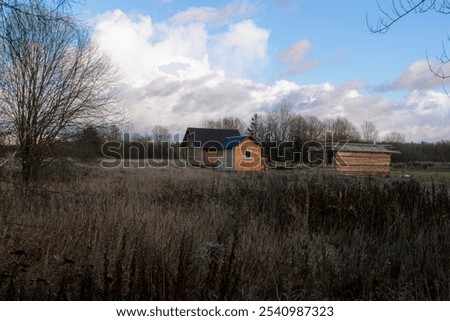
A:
{"x": 210, "y": 15}
{"x": 179, "y": 71}
{"x": 241, "y": 49}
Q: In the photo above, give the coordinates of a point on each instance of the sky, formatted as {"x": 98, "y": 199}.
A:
{"x": 181, "y": 62}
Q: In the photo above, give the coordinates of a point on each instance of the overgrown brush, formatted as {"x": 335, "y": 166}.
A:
{"x": 182, "y": 234}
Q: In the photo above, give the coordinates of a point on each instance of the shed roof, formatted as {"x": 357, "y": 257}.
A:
{"x": 364, "y": 148}
{"x": 208, "y": 137}
{"x": 233, "y": 141}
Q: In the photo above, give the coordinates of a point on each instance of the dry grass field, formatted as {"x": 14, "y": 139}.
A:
{"x": 183, "y": 234}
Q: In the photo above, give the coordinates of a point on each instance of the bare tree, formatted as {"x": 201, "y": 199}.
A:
{"x": 211, "y": 123}
{"x": 160, "y": 133}
{"x": 2, "y": 144}
{"x": 342, "y": 129}
{"x": 394, "y": 137}
{"x": 233, "y": 123}
{"x": 297, "y": 128}
{"x": 283, "y": 116}
{"x": 369, "y": 132}
{"x": 271, "y": 127}
{"x": 225, "y": 123}
{"x": 52, "y": 80}
{"x": 277, "y": 122}
{"x": 22, "y": 7}
{"x": 315, "y": 129}
{"x": 307, "y": 128}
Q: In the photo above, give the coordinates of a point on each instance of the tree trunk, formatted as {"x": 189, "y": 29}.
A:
{"x": 27, "y": 167}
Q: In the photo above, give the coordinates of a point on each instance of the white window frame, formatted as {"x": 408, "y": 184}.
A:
{"x": 249, "y": 153}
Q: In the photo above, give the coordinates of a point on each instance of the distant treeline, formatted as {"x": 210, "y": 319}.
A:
{"x": 92, "y": 143}
{"x": 90, "y": 149}
{"x": 410, "y": 152}
{"x": 422, "y": 152}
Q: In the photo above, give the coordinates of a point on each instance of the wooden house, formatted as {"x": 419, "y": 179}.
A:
{"x": 360, "y": 159}
{"x": 241, "y": 153}
{"x": 201, "y": 145}
{"x": 222, "y": 149}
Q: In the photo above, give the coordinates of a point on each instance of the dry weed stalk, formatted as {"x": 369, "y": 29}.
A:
{"x": 177, "y": 234}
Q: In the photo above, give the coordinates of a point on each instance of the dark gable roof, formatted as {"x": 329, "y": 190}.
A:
{"x": 232, "y": 142}
{"x": 208, "y": 137}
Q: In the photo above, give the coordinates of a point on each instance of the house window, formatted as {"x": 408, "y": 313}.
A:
{"x": 248, "y": 154}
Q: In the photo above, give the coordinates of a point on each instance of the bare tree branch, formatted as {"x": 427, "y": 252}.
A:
{"x": 399, "y": 9}
{"x": 53, "y": 80}
{"x": 59, "y": 9}
{"x": 369, "y": 132}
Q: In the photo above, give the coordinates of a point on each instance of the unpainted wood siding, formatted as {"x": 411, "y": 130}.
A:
{"x": 255, "y": 163}
{"x": 361, "y": 163}
{"x": 210, "y": 158}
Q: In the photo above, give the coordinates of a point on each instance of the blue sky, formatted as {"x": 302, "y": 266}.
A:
{"x": 183, "y": 61}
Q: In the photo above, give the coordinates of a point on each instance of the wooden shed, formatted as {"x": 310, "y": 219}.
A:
{"x": 361, "y": 159}
{"x": 240, "y": 153}
{"x": 201, "y": 145}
